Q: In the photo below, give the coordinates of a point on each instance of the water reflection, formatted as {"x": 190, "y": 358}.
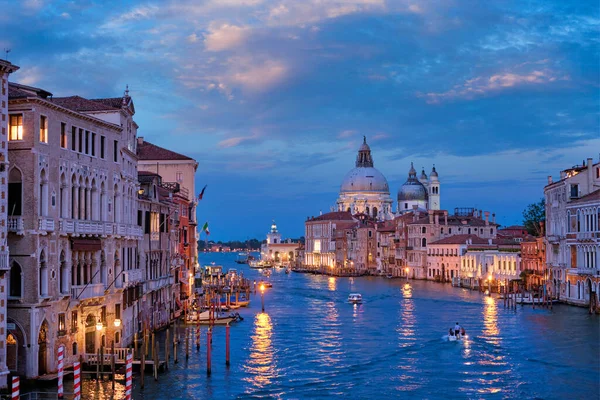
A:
{"x": 329, "y": 337}
{"x": 331, "y": 284}
{"x": 407, "y": 317}
{"x": 490, "y": 321}
{"x": 261, "y": 366}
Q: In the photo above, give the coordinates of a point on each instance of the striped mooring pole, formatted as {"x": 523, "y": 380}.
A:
{"x": 15, "y": 388}
{"x": 61, "y": 355}
{"x": 128, "y": 372}
{"x": 76, "y": 381}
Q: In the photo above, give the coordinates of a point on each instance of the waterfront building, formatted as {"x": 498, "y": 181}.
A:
{"x": 71, "y": 200}
{"x": 444, "y": 257}
{"x": 533, "y": 261}
{"x": 178, "y": 171}
{"x": 6, "y": 68}
{"x": 574, "y": 183}
{"x": 386, "y": 247}
{"x": 365, "y": 189}
{"x": 422, "y": 193}
{"x": 277, "y": 250}
{"x": 437, "y": 224}
{"x": 583, "y": 243}
{"x": 157, "y": 214}
{"x": 490, "y": 262}
{"x": 320, "y": 248}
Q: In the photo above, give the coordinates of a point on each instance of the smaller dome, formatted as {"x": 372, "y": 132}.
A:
{"x": 412, "y": 188}
{"x": 423, "y": 175}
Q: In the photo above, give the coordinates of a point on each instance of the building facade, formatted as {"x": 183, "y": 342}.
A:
{"x": 278, "y": 250}
{"x": 533, "y": 261}
{"x": 72, "y": 184}
{"x": 583, "y": 243}
{"x": 320, "y": 248}
{"x": 6, "y": 68}
{"x": 179, "y": 171}
{"x": 574, "y": 183}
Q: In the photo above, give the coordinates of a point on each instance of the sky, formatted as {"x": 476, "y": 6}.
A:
{"x": 272, "y": 98}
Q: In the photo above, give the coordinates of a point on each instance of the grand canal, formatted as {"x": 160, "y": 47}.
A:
{"x": 310, "y": 343}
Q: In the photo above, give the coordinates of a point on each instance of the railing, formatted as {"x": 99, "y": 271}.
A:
{"x": 15, "y": 224}
{"x": 585, "y": 235}
{"x": 46, "y": 224}
{"x": 133, "y": 276}
{"x": 4, "y": 265}
{"x": 155, "y": 284}
{"x": 87, "y": 292}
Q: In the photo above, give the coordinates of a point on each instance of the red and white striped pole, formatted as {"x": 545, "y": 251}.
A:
{"x": 128, "y": 371}
{"x": 15, "y": 388}
{"x": 76, "y": 381}
{"x": 61, "y": 356}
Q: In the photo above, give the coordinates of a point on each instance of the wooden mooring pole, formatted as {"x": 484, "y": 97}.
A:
{"x": 143, "y": 360}
{"x": 167, "y": 348}
{"x": 227, "y": 363}
{"x": 112, "y": 364}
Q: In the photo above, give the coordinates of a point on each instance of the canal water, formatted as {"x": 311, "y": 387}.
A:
{"x": 311, "y": 344}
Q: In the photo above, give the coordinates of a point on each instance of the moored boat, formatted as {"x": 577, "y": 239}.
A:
{"x": 242, "y": 258}
{"x": 355, "y": 298}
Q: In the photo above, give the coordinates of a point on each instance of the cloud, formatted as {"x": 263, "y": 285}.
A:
{"x": 135, "y": 14}
{"x": 257, "y": 77}
{"x": 346, "y": 134}
{"x": 225, "y": 37}
{"x": 480, "y": 86}
{"x": 193, "y": 38}
{"x": 30, "y": 76}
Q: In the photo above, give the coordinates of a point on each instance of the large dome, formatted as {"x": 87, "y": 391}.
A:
{"x": 364, "y": 179}
{"x": 412, "y": 188}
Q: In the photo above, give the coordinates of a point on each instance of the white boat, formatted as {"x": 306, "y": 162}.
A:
{"x": 533, "y": 300}
{"x": 355, "y": 298}
{"x": 203, "y": 318}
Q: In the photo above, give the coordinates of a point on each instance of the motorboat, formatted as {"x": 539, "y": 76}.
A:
{"x": 355, "y": 298}
{"x": 203, "y": 318}
{"x": 389, "y": 276}
{"x": 242, "y": 258}
{"x": 453, "y": 338}
{"x": 266, "y": 284}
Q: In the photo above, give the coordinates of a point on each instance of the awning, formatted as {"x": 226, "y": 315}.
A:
{"x": 86, "y": 244}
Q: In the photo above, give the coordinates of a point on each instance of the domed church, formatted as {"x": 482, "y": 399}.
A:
{"x": 365, "y": 189}
{"x": 423, "y": 192}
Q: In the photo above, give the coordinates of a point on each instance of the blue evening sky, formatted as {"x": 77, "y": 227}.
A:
{"x": 272, "y": 97}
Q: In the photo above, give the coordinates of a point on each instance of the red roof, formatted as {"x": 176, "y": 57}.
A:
{"x": 591, "y": 196}
{"x": 78, "y": 103}
{"x": 334, "y": 216}
{"x": 149, "y": 151}
{"x": 461, "y": 239}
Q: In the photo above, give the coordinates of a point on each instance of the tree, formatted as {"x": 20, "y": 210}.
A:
{"x": 534, "y": 216}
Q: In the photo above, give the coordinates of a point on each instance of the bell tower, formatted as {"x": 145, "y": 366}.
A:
{"x": 434, "y": 190}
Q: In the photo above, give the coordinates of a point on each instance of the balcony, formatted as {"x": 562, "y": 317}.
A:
{"x": 15, "y": 224}
{"x": 4, "y": 265}
{"x": 133, "y": 276}
{"x": 156, "y": 284}
{"x": 83, "y": 292}
{"x": 45, "y": 224}
{"x": 586, "y": 235}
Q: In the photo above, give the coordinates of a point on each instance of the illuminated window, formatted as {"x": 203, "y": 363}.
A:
{"x": 61, "y": 324}
{"x": 74, "y": 324}
{"x": 16, "y": 127}
{"x": 43, "y": 129}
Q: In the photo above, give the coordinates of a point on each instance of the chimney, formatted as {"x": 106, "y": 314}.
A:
{"x": 445, "y": 217}
{"x": 140, "y": 140}
{"x": 487, "y": 217}
{"x": 549, "y": 179}
{"x": 590, "y": 174}
{"x": 494, "y": 218}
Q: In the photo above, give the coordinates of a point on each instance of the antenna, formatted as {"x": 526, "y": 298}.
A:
{"x": 6, "y": 50}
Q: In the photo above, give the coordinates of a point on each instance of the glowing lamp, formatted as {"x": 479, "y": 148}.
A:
{"x": 99, "y": 325}
{"x": 117, "y": 322}
{"x": 262, "y": 288}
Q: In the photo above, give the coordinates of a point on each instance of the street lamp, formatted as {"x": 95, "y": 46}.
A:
{"x": 117, "y": 322}
{"x": 99, "y": 325}
{"x": 262, "y": 296}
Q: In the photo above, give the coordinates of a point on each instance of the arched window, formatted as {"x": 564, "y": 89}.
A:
{"x": 374, "y": 212}
{"x": 43, "y": 277}
{"x": 63, "y": 197}
{"x": 15, "y": 192}
{"x": 367, "y": 210}
{"x": 15, "y": 283}
{"x": 12, "y": 347}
